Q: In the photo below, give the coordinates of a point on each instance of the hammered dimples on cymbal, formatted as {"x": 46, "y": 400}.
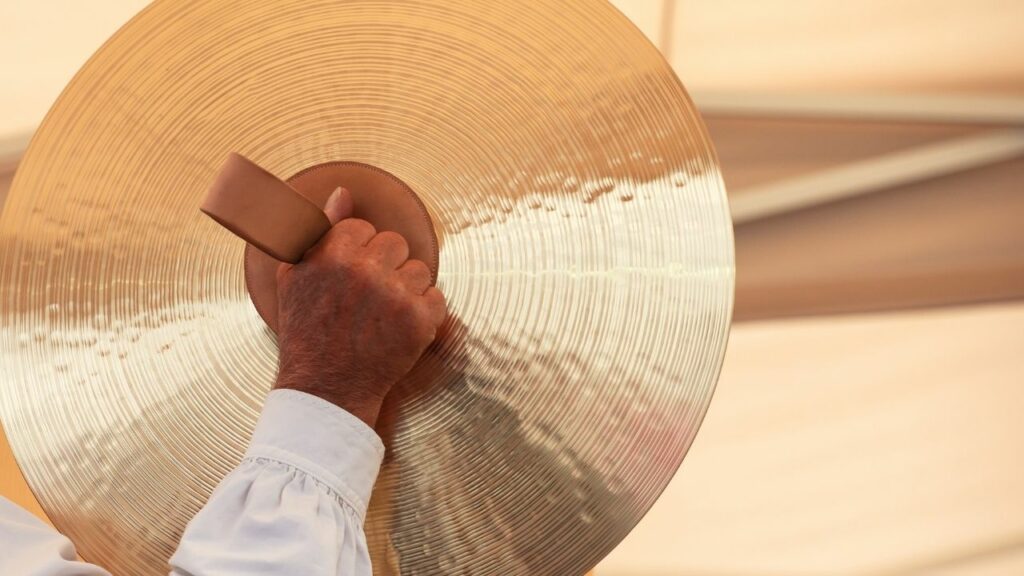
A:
{"x": 585, "y": 251}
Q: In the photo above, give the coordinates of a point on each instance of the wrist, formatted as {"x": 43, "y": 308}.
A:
{"x": 352, "y": 399}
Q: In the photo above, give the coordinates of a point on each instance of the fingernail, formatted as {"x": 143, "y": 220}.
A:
{"x": 333, "y": 198}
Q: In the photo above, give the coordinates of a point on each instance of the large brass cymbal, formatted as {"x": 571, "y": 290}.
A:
{"x": 585, "y": 250}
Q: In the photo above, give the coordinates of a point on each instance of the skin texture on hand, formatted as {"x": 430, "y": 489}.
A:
{"x": 354, "y": 315}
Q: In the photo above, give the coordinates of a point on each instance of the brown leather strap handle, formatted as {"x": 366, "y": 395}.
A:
{"x": 264, "y": 211}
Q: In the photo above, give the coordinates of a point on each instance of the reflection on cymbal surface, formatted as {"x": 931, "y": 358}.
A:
{"x": 585, "y": 252}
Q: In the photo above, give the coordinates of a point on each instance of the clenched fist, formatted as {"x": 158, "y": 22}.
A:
{"x": 355, "y": 314}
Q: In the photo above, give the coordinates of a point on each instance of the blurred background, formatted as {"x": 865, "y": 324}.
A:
{"x": 870, "y": 415}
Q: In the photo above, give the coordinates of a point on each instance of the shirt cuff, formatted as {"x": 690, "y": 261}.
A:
{"x": 322, "y": 440}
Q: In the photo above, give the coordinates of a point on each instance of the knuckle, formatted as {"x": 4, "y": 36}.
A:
{"x": 403, "y": 303}
{"x": 408, "y": 305}
{"x": 422, "y": 320}
{"x": 391, "y": 239}
{"x": 361, "y": 268}
{"x": 356, "y": 227}
{"x": 338, "y": 259}
{"x": 436, "y": 298}
{"x": 417, "y": 268}
{"x": 337, "y": 254}
{"x": 331, "y": 247}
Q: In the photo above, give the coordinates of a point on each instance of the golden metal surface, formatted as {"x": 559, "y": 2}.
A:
{"x": 586, "y": 253}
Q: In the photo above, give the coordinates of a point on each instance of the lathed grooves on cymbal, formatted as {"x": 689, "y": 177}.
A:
{"x": 585, "y": 251}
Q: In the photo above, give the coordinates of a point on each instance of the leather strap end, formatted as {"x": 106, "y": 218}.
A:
{"x": 267, "y": 213}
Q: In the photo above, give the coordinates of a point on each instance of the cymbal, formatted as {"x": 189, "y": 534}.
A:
{"x": 583, "y": 240}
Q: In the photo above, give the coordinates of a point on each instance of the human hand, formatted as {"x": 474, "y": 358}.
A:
{"x": 355, "y": 314}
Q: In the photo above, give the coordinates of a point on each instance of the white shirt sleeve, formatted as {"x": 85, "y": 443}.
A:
{"x": 30, "y": 546}
{"x": 295, "y": 505}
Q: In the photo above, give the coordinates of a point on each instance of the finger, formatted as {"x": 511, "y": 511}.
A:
{"x": 415, "y": 276}
{"x": 283, "y": 269}
{"x": 342, "y": 238}
{"x": 339, "y": 206}
{"x": 436, "y": 306}
{"x": 390, "y": 248}
{"x": 352, "y": 231}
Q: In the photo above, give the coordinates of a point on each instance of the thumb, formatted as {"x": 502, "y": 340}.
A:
{"x": 339, "y": 206}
